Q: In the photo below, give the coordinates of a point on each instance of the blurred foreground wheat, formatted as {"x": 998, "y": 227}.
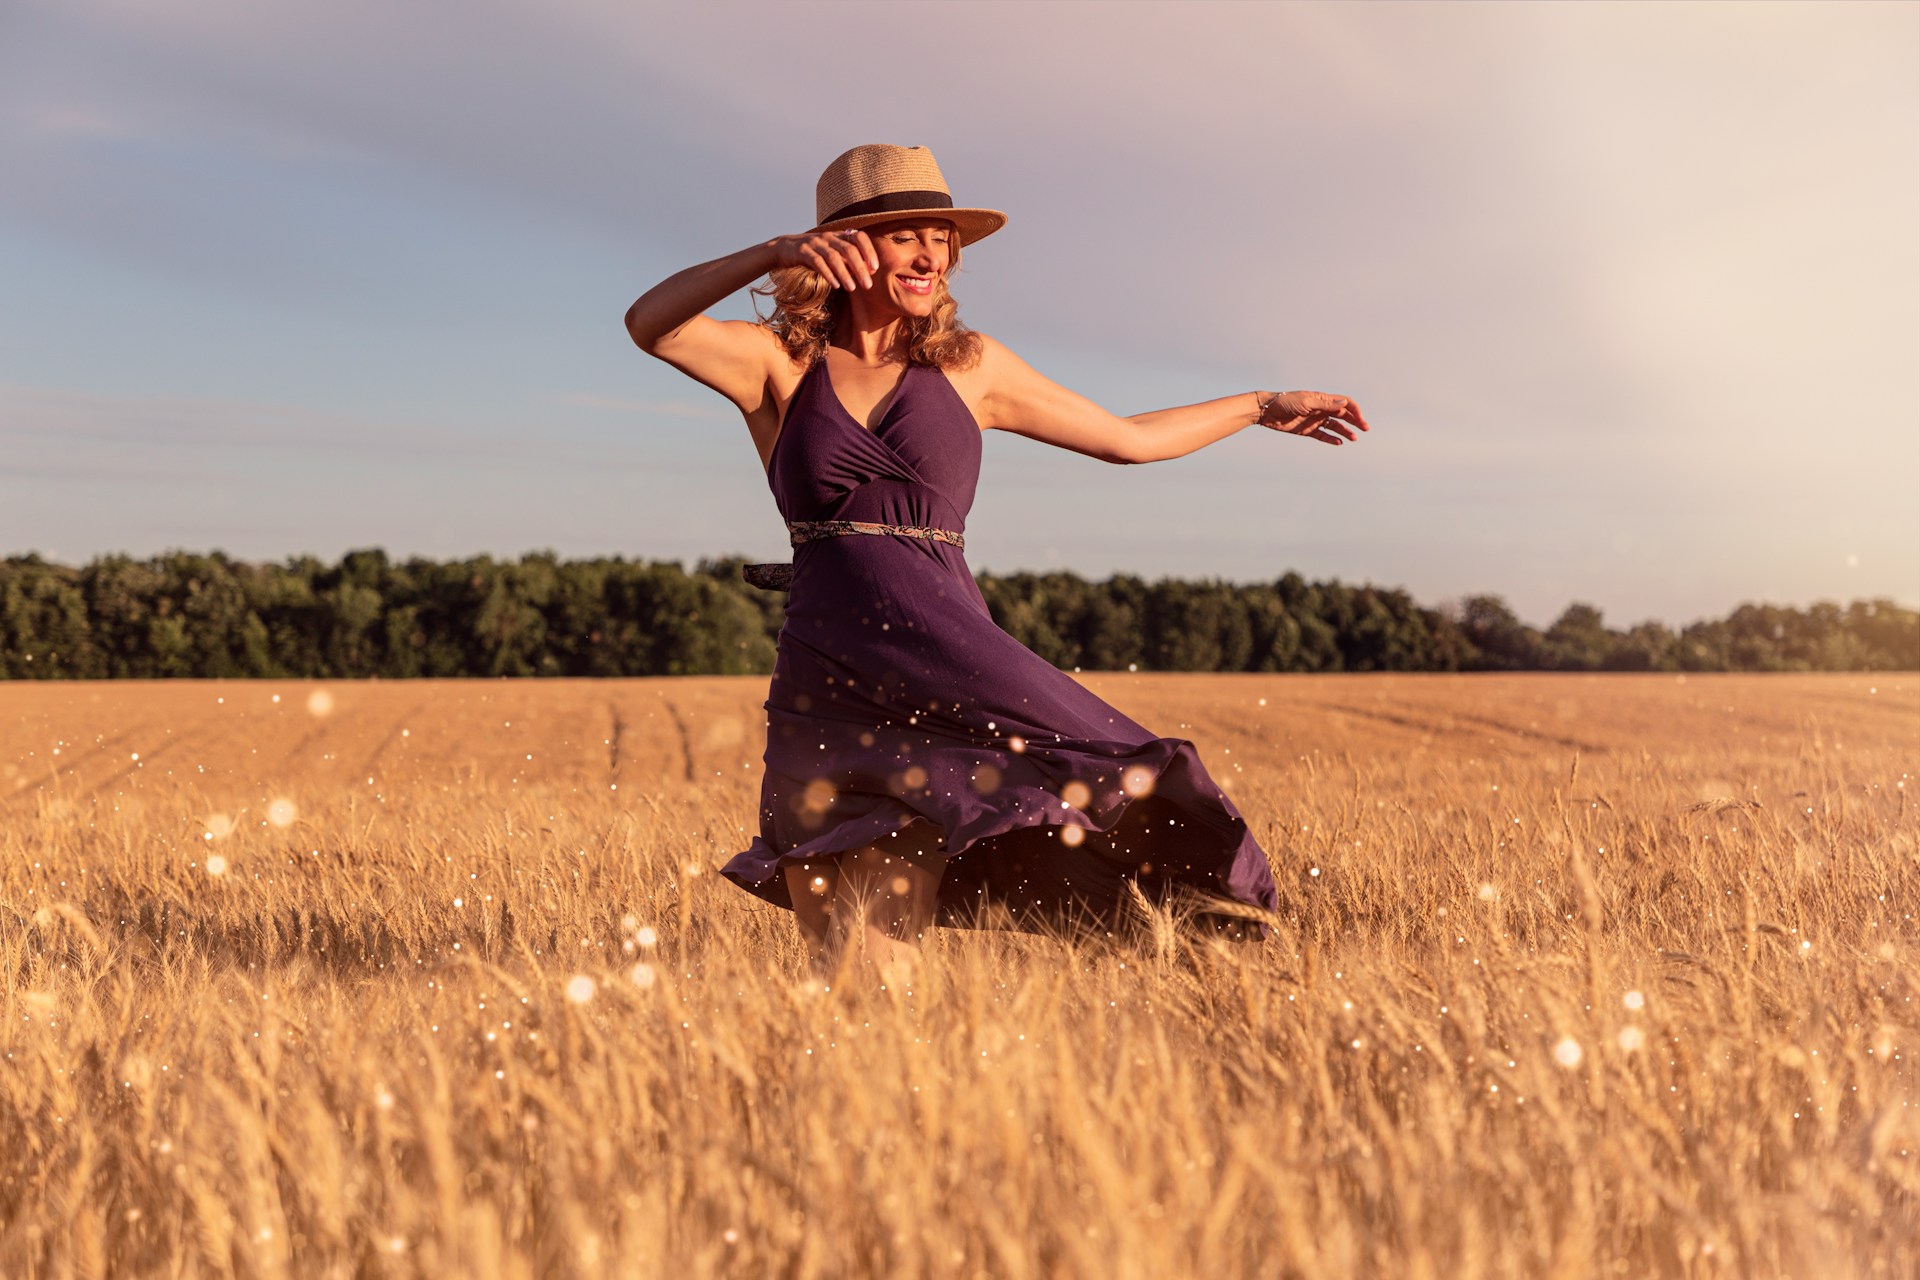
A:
{"x": 1573, "y": 976}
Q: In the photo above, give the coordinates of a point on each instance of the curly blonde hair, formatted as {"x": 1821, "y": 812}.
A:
{"x": 807, "y": 306}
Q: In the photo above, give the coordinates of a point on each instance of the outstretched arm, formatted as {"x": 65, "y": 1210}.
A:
{"x": 731, "y": 355}
{"x": 1018, "y": 399}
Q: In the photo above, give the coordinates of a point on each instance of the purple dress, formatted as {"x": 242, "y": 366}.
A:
{"x": 895, "y": 696}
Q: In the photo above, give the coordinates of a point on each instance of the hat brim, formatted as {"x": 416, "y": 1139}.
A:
{"x": 974, "y": 225}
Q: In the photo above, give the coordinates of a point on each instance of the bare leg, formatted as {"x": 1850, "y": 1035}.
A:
{"x": 813, "y": 887}
{"x": 883, "y": 905}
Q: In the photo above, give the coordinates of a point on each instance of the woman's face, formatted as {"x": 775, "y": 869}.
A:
{"x": 914, "y": 256}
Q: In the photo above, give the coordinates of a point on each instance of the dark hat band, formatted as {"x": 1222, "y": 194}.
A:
{"x": 892, "y": 202}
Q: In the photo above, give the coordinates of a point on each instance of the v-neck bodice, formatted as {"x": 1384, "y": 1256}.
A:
{"x": 884, "y": 404}
{"x": 918, "y": 464}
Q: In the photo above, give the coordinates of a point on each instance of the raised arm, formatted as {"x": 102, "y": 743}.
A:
{"x": 1014, "y": 397}
{"x": 731, "y": 356}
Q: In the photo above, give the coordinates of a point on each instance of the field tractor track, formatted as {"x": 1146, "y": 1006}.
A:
{"x": 392, "y": 735}
{"x": 686, "y": 738}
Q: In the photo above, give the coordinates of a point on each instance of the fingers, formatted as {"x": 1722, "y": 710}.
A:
{"x": 1352, "y": 414}
{"x": 856, "y": 257}
{"x": 1337, "y": 409}
{"x": 1326, "y": 429}
{"x": 827, "y": 260}
{"x": 846, "y": 258}
{"x": 1327, "y": 418}
{"x": 859, "y": 251}
{"x": 1336, "y": 426}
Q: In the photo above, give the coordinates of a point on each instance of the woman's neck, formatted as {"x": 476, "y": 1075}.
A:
{"x": 869, "y": 339}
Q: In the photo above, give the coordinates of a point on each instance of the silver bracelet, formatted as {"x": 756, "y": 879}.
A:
{"x": 1260, "y": 414}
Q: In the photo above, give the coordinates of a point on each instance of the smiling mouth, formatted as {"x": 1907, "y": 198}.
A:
{"x": 922, "y": 285}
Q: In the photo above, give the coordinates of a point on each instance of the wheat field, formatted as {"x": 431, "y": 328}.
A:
{"x": 1573, "y": 976}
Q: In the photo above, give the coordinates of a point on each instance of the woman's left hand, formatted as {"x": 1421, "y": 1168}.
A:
{"x": 1316, "y": 415}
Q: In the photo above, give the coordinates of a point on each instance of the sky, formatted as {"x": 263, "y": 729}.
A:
{"x": 1631, "y": 293}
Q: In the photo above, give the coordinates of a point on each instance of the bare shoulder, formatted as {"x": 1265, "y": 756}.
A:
{"x": 987, "y": 378}
{"x": 996, "y": 357}
{"x": 1001, "y": 388}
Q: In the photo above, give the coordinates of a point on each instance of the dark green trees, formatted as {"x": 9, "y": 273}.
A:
{"x": 185, "y": 614}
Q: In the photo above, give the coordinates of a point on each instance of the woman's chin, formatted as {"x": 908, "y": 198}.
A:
{"x": 905, "y": 306}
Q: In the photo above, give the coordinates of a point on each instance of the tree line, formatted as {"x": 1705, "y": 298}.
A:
{"x": 207, "y": 615}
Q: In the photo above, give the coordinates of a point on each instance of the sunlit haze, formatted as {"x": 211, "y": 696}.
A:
{"x": 1631, "y": 293}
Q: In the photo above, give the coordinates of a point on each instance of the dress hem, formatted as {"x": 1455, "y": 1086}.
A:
{"x": 1178, "y": 776}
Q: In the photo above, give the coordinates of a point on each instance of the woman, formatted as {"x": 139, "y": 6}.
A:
{"x": 923, "y": 766}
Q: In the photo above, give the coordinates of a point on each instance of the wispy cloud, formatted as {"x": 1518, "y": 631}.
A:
{"x": 83, "y": 435}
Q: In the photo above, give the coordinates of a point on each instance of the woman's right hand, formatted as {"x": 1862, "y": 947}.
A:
{"x": 845, "y": 258}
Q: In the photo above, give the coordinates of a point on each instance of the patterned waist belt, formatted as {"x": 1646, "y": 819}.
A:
{"x": 799, "y": 531}
{"x": 779, "y": 577}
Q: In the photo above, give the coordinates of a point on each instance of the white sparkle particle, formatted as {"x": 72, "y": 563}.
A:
{"x": 1567, "y": 1052}
{"x": 580, "y": 988}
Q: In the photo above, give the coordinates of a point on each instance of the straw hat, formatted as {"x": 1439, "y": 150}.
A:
{"x": 882, "y": 183}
